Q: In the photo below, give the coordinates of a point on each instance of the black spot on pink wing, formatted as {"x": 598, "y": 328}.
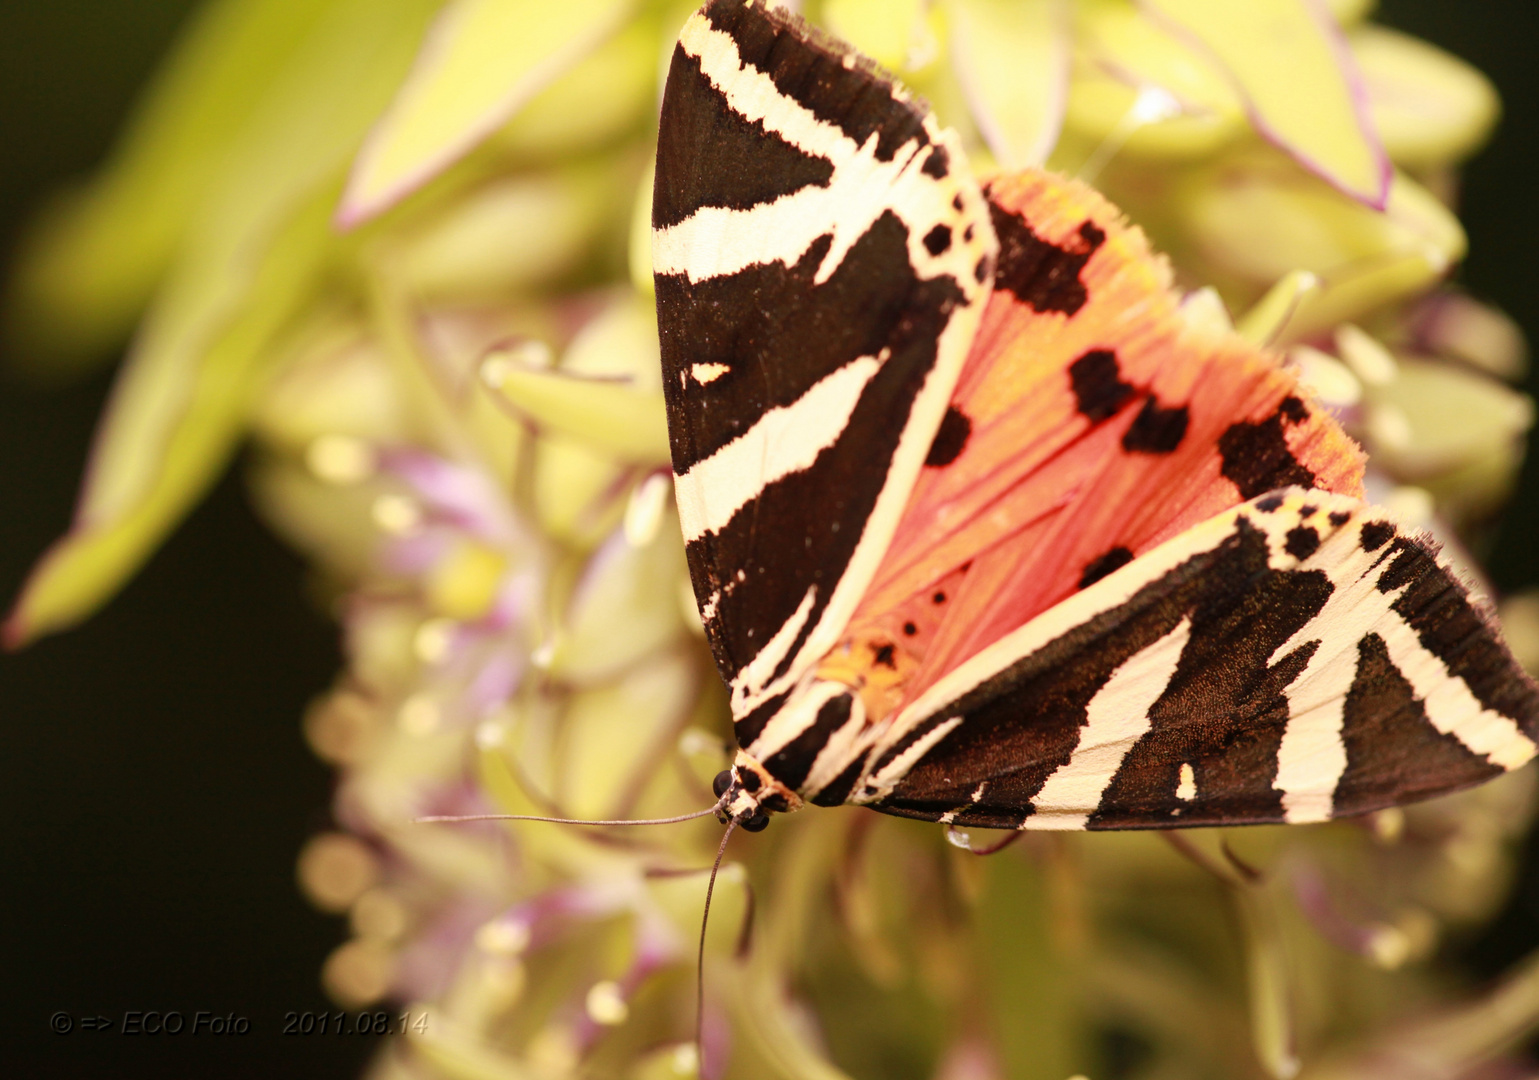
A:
{"x": 1102, "y": 565}
{"x": 1156, "y": 429}
{"x": 1376, "y": 534}
{"x": 1097, "y": 384}
{"x": 1042, "y": 275}
{"x": 937, "y": 240}
{"x": 950, "y": 439}
{"x": 938, "y": 598}
{"x": 1256, "y": 457}
{"x": 1302, "y": 542}
{"x": 883, "y": 655}
{"x": 910, "y": 629}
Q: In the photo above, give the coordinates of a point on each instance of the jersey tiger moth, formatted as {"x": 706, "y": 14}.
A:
{"x": 983, "y": 529}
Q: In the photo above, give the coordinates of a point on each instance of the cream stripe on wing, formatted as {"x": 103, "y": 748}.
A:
{"x": 1116, "y": 718}
{"x": 783, "y": 441}
{"x": 1450, "y": 706}
{"x": 715, "y": 241}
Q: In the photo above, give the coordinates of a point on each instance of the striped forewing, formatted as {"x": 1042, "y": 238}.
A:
{"x": 821, "y": 257}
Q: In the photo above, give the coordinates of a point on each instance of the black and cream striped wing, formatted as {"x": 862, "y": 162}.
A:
{"x": 1297, "y": 658}
{"x": 822, "y": 257}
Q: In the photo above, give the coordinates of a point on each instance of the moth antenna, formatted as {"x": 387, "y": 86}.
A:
{"x": 438, "y": 818}
{"x": 705, "y": 918}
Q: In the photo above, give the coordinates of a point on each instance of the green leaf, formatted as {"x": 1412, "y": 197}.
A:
{"x": 246, "y": 263}
{"x": 1431, "y": 108}
{"x": 264, "y": 99}
{"x": 1289, "y": 61}
{"x": 1012, "y": 58}
{"x": 1138, "y": 90}
{"x": 176, "y": 414}
{"x": 606, "y": 393}
{"x": 482, "y": 60}
{"x": 1254, "y": 219}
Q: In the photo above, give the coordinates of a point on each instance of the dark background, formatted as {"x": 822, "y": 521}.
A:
{"x": 156, "y": 787}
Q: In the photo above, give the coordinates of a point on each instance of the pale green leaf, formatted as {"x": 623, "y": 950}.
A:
{"x": 1252, "y": 221}
{"x": 508, "y": 235}
{"x": 1289, "y": 61}
{"x": 1430, "y": 108}
{"x": 1012, "y": 58}
{"x": 249, "y": 254}
{"x": 175, "y": 417}
{"x": 1136, "y": 89}
{"x": 1267, "y": 321}
{"x": 606, "y": 392}
{"x": 94, "y": 259}
{"x": 612, "y": 415}
{"x": 622, "y": 609}
{"x": 481, "y": 61}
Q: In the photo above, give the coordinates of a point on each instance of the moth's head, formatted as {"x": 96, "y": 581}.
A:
{"x": 749, "y": 794}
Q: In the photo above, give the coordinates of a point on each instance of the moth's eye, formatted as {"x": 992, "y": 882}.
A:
{"x": 757, "y": 823}
{"x": 722, "y": 782}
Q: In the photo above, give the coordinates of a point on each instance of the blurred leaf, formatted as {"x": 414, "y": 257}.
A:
{"x": 175, "y": 415}
{"x": 1012, "y": 57}
{"x": 607, "y": 391}
{"x": 1300, "y": 83}
{"x": 510, "y": 234}
{"x": 93, "y": 260}
{"x": 1138, "y": 90}
{"x": 1029, "y": 985}
{"x": 265, "y": 100}
{"x": 481, "y": 61}
{"x": 1429, "y": 107}
{"x": 247, "y": 263}
{"x": 622, "y": 609}
{"x": 1252, "y": 221}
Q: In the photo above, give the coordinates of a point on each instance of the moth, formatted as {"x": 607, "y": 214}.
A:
{"x": 983, "y": 527}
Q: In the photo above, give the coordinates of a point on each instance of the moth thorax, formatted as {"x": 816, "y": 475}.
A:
{"x": 752, "y": 794}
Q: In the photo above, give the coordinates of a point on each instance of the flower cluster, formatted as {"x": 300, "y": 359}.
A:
{"x": 402, "y": 248}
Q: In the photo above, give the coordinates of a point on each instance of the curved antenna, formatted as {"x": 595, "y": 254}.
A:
{"x": 705, "y": 919}
{"x": 434, "y": 818}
